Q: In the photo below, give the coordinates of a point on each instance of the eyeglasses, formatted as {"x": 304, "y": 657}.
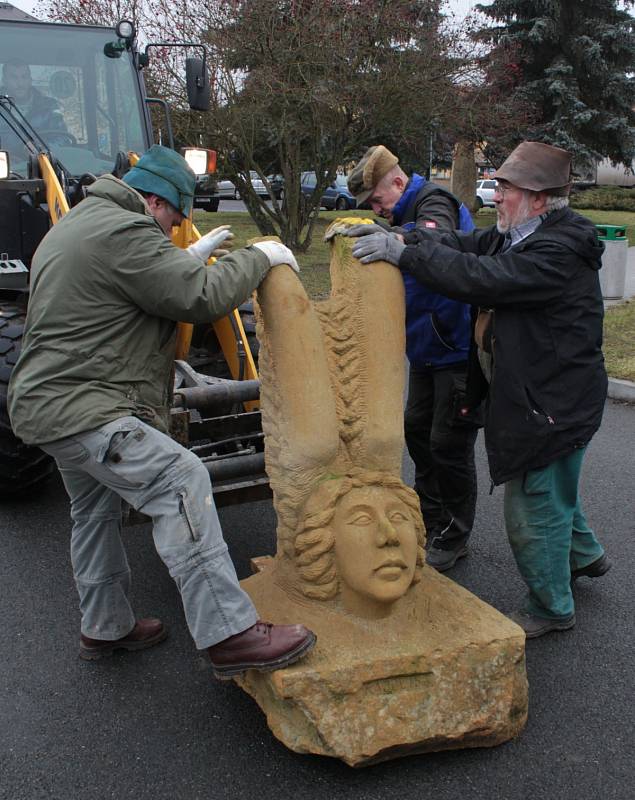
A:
{"x": 502, "y": 189}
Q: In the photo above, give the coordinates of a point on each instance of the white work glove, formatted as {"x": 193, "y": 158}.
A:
{"x": 208, "y": 244}
{"x": 278, "y": 254}
{"x": 379, "y": 247}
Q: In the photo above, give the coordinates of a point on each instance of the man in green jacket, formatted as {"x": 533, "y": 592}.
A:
{"x": 92, "y": 389}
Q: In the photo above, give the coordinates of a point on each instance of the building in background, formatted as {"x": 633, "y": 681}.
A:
{"x": 7, "y": 11}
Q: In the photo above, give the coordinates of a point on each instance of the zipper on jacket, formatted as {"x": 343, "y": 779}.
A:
{"x": 537, "y": 410}
{"x": 435, "y": 329}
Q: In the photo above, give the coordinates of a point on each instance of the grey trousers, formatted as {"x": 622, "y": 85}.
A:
{"x": 154, "y": 474}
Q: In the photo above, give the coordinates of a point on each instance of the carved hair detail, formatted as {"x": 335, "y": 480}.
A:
{"x": 345, "y": 350}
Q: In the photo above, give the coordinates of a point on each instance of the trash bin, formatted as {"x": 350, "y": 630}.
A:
{"x": 613, "y": 272}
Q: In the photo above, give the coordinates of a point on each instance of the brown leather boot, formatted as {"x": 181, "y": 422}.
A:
{"x": 146, "y": 633}
{"x": 263, "y": 647}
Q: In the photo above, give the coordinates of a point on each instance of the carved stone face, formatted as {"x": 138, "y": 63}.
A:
{"x": 375, "y": 549}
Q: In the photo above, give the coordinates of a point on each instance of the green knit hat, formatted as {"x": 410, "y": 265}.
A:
{"x": 167, "y": 174}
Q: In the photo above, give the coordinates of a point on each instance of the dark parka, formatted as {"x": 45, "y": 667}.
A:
{"x": 549, "y": 382}
{"x": 107, "y": 289}
{"x": 44, "y": 114}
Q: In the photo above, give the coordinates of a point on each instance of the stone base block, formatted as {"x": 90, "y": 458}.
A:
{"x": 444, "y": 671}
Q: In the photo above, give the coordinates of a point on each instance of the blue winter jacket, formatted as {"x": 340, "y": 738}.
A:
{"x": 438, "y": 330}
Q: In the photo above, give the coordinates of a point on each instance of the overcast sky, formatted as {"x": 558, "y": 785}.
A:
{"x": 459, "y": 7}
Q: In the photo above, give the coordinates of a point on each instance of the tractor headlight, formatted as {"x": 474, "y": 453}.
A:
{"x": 125, "y": 30}
{"x": 201, "y": 160}
{"x": 4, "y": 164}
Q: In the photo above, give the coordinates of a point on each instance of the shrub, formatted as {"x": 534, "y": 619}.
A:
{"x": 608, "y": 198}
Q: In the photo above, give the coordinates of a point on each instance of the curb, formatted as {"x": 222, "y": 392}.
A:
{"x": 621, "y": 390}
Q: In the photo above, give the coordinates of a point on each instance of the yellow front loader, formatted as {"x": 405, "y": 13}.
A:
{"x": 94, "y": 79}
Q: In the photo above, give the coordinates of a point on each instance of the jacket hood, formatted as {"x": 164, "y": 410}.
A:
{"x": 575, "y": 232}
{"x": 110, "y": 188}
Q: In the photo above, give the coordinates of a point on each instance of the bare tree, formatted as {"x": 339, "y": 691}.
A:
{"x": 308, "y": 85}
{"x": 480, "y": 112}
{"x": 90, "y": 12}
{"x": 300, "y": 85}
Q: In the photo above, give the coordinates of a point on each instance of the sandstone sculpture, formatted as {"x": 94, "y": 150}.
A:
{"x": 406, "y": 660}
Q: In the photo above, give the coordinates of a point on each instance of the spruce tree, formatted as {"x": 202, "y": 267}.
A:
{"x": 572, "y": 61}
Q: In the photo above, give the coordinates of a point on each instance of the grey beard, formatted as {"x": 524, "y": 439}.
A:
{"x": 523, "y": 214}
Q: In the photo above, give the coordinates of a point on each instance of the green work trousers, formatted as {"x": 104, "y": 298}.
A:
{"x": 549, "y": 534}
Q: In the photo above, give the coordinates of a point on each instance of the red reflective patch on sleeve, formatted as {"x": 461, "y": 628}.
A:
{"x": 429, "y": 224}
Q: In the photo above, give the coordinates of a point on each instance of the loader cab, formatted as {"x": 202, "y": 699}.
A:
{"x": 86, "y": 101}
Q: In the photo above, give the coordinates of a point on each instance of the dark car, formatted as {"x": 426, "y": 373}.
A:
{"x": 277, "y": 185}
{"x": 336, "y": 196}
{"x": 206, "y": 195}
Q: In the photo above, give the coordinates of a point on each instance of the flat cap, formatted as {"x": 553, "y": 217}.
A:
{"x": 538, "y": 167}
{"x": 167, "y": 174}
{"x": 376, "y": 162}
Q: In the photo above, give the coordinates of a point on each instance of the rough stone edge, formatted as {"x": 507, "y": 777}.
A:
{"x": 269, "y": 692}
{"x": 516, "y": 723}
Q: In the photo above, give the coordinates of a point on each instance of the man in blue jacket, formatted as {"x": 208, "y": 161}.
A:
{"x": 439, "y": 437}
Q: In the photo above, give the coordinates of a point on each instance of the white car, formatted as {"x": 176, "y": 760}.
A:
{"x": 227, "y": 190}
{"x": 257, "y": 185}
{"x": 485, "y": 192}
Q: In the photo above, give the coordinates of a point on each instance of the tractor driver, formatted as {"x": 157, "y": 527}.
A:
{"x": 92, "y": 389}
{"x": 43, "y": 112}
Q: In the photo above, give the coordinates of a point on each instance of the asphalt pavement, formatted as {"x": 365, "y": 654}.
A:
{"x": 156, "y": 725}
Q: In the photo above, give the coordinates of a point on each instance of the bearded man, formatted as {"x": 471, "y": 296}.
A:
{"x": 537, "y": 365}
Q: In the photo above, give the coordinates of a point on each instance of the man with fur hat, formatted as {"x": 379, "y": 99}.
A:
{"x": 439, "y": 437}
{"x": 92, "y": 388}
{"x": 538, "y": 366}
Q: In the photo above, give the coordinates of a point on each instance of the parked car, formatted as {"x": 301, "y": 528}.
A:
{"x": 205, "y": 194}
{"x": 277, "y": 185}
{"x": 485, "y": 192}
{"x": 227, "y": 190}
{"x": 257, "y": 185}
{"x": 336, "y": 196}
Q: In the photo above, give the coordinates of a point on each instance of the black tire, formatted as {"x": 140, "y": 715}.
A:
{"x": 21, "y": 467}
{"x": 341, "y": 204}
{"x": 479, "y": 203}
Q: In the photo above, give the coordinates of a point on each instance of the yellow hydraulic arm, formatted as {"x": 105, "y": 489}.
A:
{"x": 55, "y": 197}
{"x": 228, "y": 330}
